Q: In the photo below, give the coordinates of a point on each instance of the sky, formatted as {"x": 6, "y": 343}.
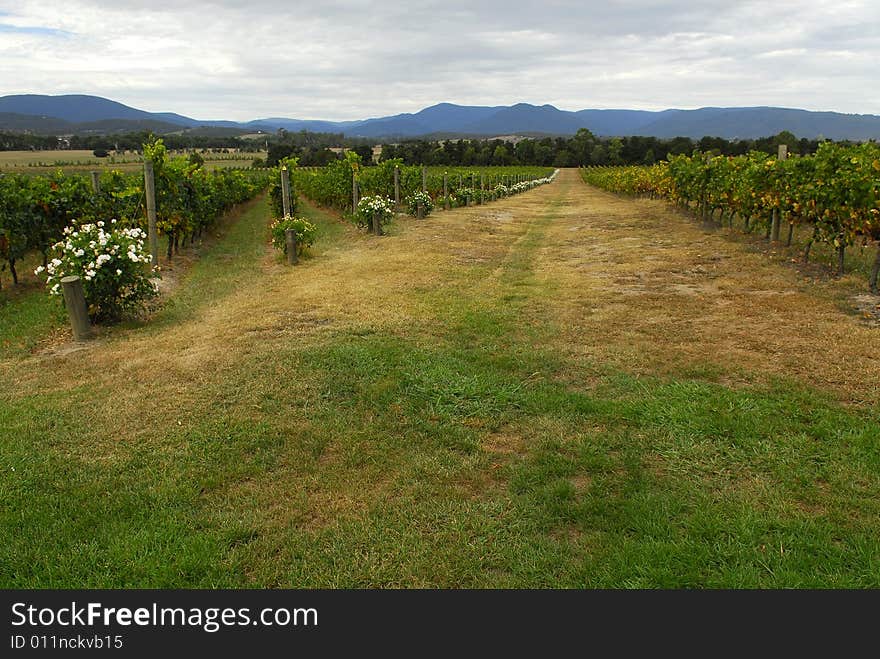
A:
{"x": 353, "y": 59}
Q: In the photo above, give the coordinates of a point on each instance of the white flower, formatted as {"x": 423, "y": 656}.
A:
{"x": 118, "y": 272}
{"x": 56, "y": 262}
{"x": 100, "y": 224}
{"x": 39, "y": 270}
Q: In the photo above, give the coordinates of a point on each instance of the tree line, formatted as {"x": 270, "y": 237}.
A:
{"x": 583, "y": 149}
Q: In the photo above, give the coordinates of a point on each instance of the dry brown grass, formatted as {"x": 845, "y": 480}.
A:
{"x": 641, "y": 286}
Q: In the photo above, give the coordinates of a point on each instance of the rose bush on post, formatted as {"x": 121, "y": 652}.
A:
{"x": 305, "y": 233}
{"x": 374, "y": 212}
{"x": 464, "y": 195}
{"x": 422, "y": 198}
{"x": 111, "y": 262}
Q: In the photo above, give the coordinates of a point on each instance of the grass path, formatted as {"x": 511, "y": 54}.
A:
{"x": 562, "y": 389}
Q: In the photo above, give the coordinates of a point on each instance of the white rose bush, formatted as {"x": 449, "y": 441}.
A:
{"x": 111, "y": 262}
{"x": 380, "y": 208}
{"x": 417, "y": 198}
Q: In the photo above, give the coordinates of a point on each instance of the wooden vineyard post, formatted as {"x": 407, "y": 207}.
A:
{"x": 285, "y": 191}
{"x": 354, "y": 194}
{"x": 482, "y": 187}
{"x": 396, "y": 187}
{"x": 75, "y": 301}
{"x": 377, "y": 227}
{"x": 290, "y": 243}
{"x": 96, "y": 182}
{"x": 150, "y": 194}
{"x": 445, "y": 193}
{"x": 782, "y": 154}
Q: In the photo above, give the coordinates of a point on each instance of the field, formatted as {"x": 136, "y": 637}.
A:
{"x": 563, "y": 389}
{"x": 41, "y": 162}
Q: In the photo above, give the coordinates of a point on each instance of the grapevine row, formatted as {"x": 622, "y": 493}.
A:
{"x": 34, "y": 210}
{"x": 835, "y": 192}
{"x": 333, "y": 185}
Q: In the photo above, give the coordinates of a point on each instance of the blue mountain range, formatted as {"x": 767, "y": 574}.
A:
{"x": 41, "y": 113}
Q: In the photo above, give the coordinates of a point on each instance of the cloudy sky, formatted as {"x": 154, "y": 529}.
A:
{"x": 352, "y": 59}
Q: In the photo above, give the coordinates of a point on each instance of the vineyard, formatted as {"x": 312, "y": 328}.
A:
{"x": 834, "y": 194}
{"x": 565, "y": 388}
{"x": 334, "y": 185}
{"x": 35, "y": 210}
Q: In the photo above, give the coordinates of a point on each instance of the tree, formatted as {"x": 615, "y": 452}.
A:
{"x": 563, "y": 159}
{"x": 615, "y": 151}
{"x": 365, "y": 152}
{"x": 279, "y": 151}
{"x": 500, "y": 156}
{"x": 525, "y": 152}
{"x": 581, "y": 145}
{"x": 788, "y": 139}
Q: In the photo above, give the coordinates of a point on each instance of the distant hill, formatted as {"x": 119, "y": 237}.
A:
{"x": 79, "y": 108}
{"x": 43, "y": 125}
{"x": 93, "y": 114}
{"x": 762, "y": 121}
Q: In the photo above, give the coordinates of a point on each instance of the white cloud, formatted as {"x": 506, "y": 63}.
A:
{"x": 244, "y": 59}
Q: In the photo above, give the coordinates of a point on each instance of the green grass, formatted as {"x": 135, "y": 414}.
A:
{"x": 456, "y": 460}
{"x": 25, "y": 318}
{"x": 27, "y": 313}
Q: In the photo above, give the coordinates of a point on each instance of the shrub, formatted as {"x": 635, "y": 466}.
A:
{"x": 110, "y": 261}
{"x": 305, "y": 233}
{"x": 422, "y": 198}
{"x": 462, "y": 195}
{"x": 381, "y": 208}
